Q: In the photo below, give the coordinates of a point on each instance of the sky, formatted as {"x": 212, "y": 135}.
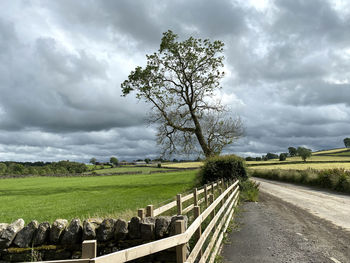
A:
{"x": 287, "y": 65}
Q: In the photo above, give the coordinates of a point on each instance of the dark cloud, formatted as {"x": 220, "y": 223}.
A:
{"x": 62, "y": 63}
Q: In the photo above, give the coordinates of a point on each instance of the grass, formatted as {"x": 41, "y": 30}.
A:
{"x": 331, "y": 151}
{"x": 347, "y": 153}
{"x": 123, "y": 169}
{"x": 183, "y": 165}
{"x": 249, "y": 191}
{"x": 303, "y": 166}
{"x": 49, "y": 198}
{"x": 340, "y": 157}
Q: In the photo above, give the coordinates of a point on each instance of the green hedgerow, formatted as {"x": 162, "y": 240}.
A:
{"x": 226, "y": 167}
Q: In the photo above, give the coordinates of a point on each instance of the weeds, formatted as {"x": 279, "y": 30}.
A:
{"x": 249, "y": 191}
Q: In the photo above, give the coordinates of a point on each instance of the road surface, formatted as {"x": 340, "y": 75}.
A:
{"x": 291, "y": 224}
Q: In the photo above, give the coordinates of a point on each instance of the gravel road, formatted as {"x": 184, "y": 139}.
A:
{"x": 325, "y": 204}
{"x": 274, "y": 230}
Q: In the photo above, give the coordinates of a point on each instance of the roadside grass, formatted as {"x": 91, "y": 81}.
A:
{"x": 49, "y": 198}
{"x": 249, "y": 191}
{"x": 303, "y": 166}
{"x": 334, "y": 179}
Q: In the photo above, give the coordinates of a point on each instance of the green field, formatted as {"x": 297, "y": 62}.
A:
{"x": 49, "y": 198}
{"x": 332, "y": 151}
{"x": 303, "y": 166}
{"x": 123, "y": 169}
{"x": 328, "y": 159}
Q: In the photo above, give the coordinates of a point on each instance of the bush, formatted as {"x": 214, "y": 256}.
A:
{"x": 283, "y": 156}
{"x": 226, "y": 167}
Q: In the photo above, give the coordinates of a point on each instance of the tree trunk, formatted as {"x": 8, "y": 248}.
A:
{"x": 206, "y": 150}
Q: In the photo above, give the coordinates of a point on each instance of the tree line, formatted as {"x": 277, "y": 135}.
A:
{"x": 41, "y": 168}
{"x": 303, "y": 152}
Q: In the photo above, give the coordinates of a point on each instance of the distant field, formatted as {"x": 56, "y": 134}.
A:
{"x": 122, "y": 169}
{"x": 347, "y": 153}
{"x": 332, "y": 151}
{"x": 49, "y": 198}
{"x": 303, "y": 166}
{"x": 183, "y": 165}
{"x": 91, "y": 166}
{"x": 317, "y": 158}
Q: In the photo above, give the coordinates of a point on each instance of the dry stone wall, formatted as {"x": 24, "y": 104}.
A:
{"x": 62, "y": 239}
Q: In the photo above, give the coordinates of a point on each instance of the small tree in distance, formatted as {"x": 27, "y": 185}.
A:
{"x": 292, "y": 151}
{"x": 114, "y": 161}
{"x": 347, "y": 142}
{"x": 304, "y": 153}
{"x": 93, "y": 161}
{"x": 283, "y": 156}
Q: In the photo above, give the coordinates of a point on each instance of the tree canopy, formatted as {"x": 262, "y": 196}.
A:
{"x": 113, "y": 160}
{"x": 180, "y": 81}
{"x": 347, "y": 142}
{"x": 304, "y": 153}
{"x": 93, "y": 160}
{"x": 292, "y": 151}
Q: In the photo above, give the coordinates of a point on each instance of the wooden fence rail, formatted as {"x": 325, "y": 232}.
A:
{"x": 219, "y": 211}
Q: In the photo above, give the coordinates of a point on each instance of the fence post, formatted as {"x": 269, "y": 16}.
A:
{"x": 206, "y": 194}
{"x": 149, "y": 211}
{"x": 180, "y": 249}
{"x": 195, "y": 197}
{"x": 179, "y": 204}
{"x": 211, "y": 200}
{"x": 89, "y": 249}
{"x": 212, "y": 188}
{"x": 196, "y": 213}
{"x": 141, "y": 213}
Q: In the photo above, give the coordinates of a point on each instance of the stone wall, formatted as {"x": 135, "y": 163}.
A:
{"x": 63, "y": 239}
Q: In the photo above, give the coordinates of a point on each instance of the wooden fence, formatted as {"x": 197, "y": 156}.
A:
{"x": 207, "y": 243}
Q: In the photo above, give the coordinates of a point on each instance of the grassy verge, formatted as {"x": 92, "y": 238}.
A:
{"x": 335, "y": 179}
{"x": 249, "y": 191}
{"x": 48, "y": 198}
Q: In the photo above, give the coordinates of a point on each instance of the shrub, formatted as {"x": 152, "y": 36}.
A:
{"x": 227, "y": 167}
{"x": 283, "y": 157}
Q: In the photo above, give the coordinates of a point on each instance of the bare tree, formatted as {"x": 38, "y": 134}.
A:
{"x": 180, "y": 81}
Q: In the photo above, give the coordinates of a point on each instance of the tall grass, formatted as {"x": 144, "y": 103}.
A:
{"x": 249, "y": 191}
{"x": 335, "y": 179}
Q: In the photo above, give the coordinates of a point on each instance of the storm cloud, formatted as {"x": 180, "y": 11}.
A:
{"x": 62, "y": 63}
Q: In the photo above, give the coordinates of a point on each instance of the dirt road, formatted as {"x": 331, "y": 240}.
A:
{"x": 274, "y": 230}
{"x": 324, "y": 204}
